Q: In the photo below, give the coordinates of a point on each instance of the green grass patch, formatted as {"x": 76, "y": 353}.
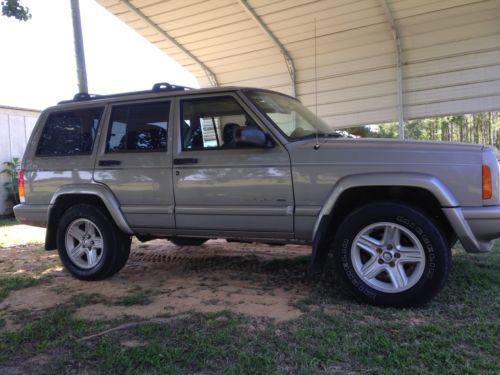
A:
{"x": 53, "y": 330}
{"x": 7, "y": 222}
{"x": 135, "y": 296}
{"x": 10, "y": 283}
{"x": 458, "y": 332}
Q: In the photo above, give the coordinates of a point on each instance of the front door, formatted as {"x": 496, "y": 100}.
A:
{"x": 135, "y": 162}
{"x": 222, "y": 187}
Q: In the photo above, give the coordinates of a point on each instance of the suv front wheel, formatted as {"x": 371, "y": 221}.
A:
{"x": 90, "y": 245}
{"x": 391, "y": 254}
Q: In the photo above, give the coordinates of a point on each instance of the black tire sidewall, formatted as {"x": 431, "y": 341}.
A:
{"x": 111, "y": 242}
{"x": 437, "y": 253}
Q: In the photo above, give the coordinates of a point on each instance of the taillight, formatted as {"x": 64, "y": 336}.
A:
{"x": 20, "y": 185}
{"x": 487, "y": 189}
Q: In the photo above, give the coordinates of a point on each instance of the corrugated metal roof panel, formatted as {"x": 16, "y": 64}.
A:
{"x": 345, "y": 48}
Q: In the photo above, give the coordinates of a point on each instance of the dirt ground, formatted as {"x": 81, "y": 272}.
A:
{"x": 243, "y": 278}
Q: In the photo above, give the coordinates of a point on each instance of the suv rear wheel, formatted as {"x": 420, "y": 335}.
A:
{"x": 392, "y": 254}
{"x": 90, "y": 245}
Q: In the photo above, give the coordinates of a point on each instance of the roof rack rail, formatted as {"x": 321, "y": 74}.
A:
{"x": 84, "y": 96}
{"x": 165, "y": 86}
{"x": 157, "y": 87}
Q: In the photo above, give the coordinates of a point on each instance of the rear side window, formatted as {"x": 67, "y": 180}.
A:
{"x": 70, "y": 133}
{"x": 139, "y": 128}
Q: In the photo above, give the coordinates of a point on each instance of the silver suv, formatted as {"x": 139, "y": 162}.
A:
{"x": 249, "y": 164}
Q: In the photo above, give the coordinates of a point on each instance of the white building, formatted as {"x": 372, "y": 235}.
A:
{"x": 16, "y": 125}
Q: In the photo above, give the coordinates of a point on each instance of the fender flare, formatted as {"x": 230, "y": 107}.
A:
{"x": 417, "y": 180}
{"x": 101, "y": 191}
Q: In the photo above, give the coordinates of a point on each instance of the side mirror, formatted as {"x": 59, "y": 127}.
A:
{"x": 253, "y": 137}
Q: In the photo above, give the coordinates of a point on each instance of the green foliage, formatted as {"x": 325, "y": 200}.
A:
{"x": 10, "y": 283}
{"x": 481, "y": 128}
{"x": 12, "y": 8}
{"x": 135, "y": 296}
{"x": 11, "y": 170}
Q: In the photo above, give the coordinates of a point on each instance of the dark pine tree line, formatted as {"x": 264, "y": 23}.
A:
{"x": 481, "y": 128}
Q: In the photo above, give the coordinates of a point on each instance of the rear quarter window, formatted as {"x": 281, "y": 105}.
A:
{"x": 70, "y": 132}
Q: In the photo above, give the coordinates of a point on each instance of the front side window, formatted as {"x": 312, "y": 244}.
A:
{"x": 139, "y": 127}
{"x": 70, "y": 133}
{"x": 290, "y": 116}
{"x": 211, "y": 123}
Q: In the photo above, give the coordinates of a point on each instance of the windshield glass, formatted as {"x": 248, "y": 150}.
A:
{"x": 290, "y": 115}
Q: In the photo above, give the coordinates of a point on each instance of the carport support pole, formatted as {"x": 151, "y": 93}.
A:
{"x": 79, "y": 51}
{"x": 399, "y": 65}
{"x": 399, "y": 68}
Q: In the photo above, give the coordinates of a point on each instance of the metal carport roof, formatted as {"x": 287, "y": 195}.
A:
{"x": 370, "y": 60}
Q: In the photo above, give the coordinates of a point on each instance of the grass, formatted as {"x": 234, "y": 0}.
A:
{"x": 135, "y": 296}
{"x": 7, "y": 221}
{"x": 12, "y": 233}
{"x": 458, "y": 332}
{"x": 11, "y": 283}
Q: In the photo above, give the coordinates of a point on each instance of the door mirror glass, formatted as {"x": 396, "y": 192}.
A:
{"x": 253, "y": 137}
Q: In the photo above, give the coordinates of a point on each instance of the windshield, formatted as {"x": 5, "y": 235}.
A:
{"x": 290, "y": 116}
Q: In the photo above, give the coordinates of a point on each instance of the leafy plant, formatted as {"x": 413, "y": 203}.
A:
{"x": 12, "y": 8}
{"x": 11, "y": 170}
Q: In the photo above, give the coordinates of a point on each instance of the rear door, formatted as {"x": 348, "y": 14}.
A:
{"x": 221, "y": 187}
{"x": 135, "y": 162}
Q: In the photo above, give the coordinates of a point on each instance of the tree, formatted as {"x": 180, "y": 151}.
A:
{"x": 12, "y": 8}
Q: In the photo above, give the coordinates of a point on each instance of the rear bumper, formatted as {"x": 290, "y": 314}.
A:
{"x": 36, "y": 215}
{"x": 476, "y": 227}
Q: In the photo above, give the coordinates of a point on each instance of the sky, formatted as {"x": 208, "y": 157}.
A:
{"x": 37, "y": 59}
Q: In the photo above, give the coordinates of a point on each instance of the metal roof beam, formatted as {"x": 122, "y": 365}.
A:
{"x": 288, "y": 59}
{"x": 399, "y": 64}
{"x": 210, "y": 75}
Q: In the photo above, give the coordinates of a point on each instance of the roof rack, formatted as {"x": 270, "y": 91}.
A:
{"x": 157, "y": 87}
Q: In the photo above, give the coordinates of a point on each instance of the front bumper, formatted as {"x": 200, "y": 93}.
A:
{"x": 476, "y": 227}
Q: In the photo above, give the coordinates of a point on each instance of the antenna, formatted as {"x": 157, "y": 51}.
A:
{"x": 316, "y": 146}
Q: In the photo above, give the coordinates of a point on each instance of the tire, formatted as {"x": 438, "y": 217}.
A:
{"x": 90, "y": 245}
{"x": 188, "y": 241}
{"x": 391, "y": 254}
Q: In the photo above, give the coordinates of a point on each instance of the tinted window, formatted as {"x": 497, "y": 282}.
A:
{"x": 70, "y": 133}
{"x": 211, "y": 123}
{"x": 139, "y": 128}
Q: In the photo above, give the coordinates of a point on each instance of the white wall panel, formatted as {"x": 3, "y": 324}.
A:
{"x": 16, "y": 126}
{"x": 455, "y": 78}
{"x": 5, "y": 154}
{"x": 163, "y": 12}
{"x": 344, "y": 81}
{"x": 479, "y": 104}
{"x": 351, "y": 93}
{"x": 18, "y": 136}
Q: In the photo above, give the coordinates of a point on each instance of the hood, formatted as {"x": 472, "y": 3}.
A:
{"x": 387, "y": 151}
